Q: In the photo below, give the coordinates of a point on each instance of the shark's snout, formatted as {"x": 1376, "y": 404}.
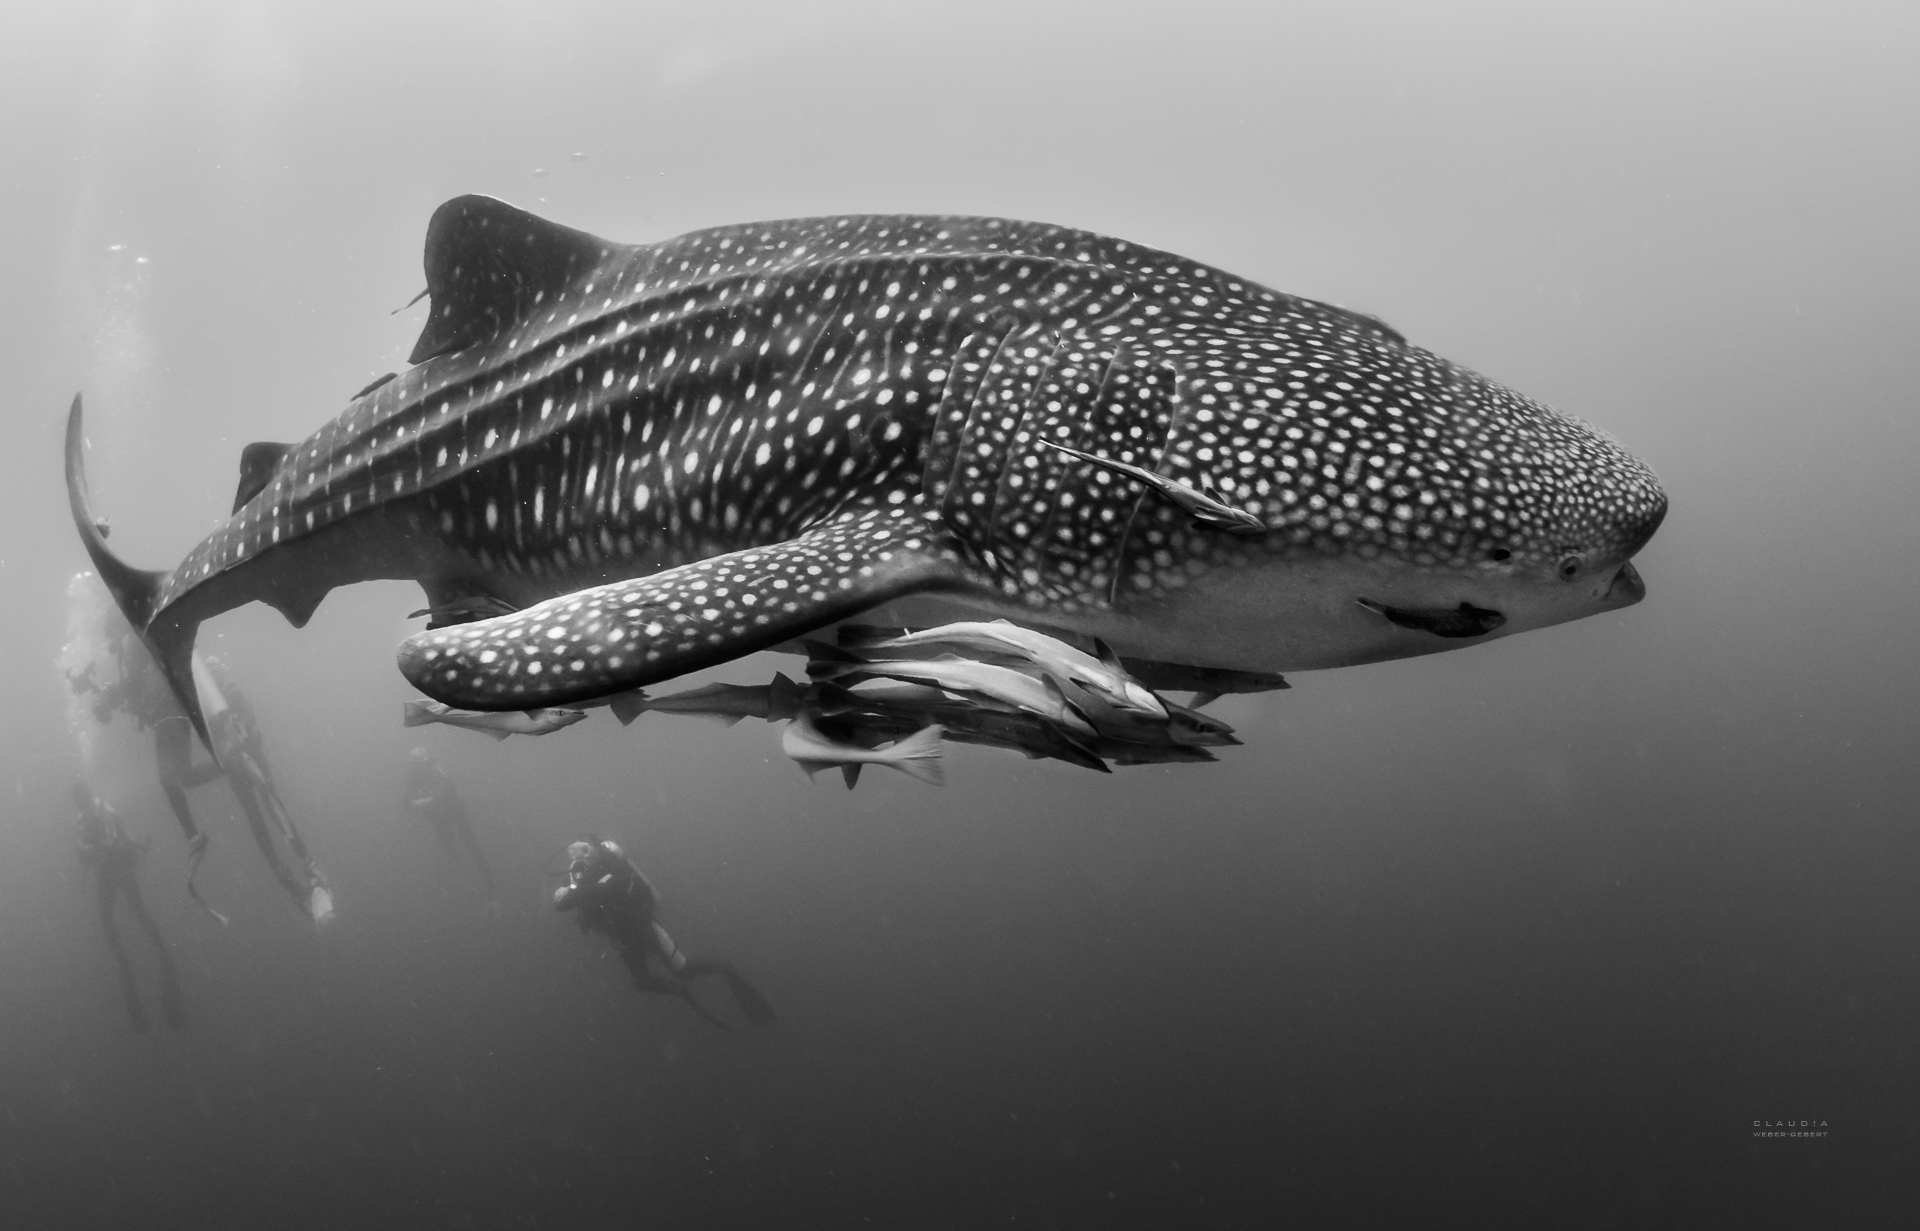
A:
{"x": 1649, "y": 523}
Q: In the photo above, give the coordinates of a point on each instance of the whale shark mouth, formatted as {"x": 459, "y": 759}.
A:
{"x": 1627, "y": 588}
{"x": 1466, "y": 620}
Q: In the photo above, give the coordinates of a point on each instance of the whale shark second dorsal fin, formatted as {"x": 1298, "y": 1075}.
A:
{"x": 259, "y": 462}
{"x": 490, "y": 265}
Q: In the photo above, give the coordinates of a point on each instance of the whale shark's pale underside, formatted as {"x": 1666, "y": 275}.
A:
{"x": 653, "y": 458}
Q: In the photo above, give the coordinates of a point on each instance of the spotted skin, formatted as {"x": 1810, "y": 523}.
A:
{"x": 669, "y": 455}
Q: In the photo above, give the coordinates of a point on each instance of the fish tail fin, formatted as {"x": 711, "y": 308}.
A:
{"x": 830, "y": 662}
{"x": 416, "y": 714}
{"x": 784, "y": 697}
{"x": 859, "y": 636}
{"x": 834, "y": 699}
{"x": 629, "y": 706}
{"x": 918, "y": 755}
{"x": 136, "y": 592}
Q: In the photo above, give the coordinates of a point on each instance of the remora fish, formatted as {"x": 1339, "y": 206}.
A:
{"x": 891, "y": 708}
{"x": 730, "y": 703}
{"x": 1208, "y": 683}
{"x": 1040, "y": 696}
{"x": 1102, "y": 676}
{"x": 497, "y": 723}
{"x": 1202, "y": 504}
{"x": 668, "y": 455}
{"x": 917, "y": 756}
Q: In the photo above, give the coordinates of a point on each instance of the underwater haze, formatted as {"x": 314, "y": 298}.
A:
{"x": 1608, "y": 924}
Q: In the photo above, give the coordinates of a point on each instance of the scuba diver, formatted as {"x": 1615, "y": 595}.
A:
{"x": 609, "y": 894}
{"x": 141, "y": 691}
{"x": 107, "y": 848}
{"x": 432, "y": 797}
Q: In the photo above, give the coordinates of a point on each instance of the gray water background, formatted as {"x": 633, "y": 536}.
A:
{"x": 1529, "y": 934}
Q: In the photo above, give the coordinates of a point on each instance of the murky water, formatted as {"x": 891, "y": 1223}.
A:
{"x": 1540, "y": 932}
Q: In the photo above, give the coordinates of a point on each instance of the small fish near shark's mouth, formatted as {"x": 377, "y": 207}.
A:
{"x": 1466, "y": 620}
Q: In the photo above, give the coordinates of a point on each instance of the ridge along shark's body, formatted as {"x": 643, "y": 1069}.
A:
{"x": 671, "y": 455}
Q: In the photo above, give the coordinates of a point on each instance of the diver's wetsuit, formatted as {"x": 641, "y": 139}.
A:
{"x": 610, "y": 894}
{"x": 115, "y": 859}
{"x": 143, "y": 693}
{"x": 431, "y": 795}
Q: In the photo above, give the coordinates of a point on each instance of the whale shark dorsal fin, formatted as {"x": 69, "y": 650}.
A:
{"x": 259, "y": 462}
{"x": 490, "y": 265}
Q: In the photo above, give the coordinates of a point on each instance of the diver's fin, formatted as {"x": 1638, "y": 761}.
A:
{"x": 685, "y": 993}
{"x": 259, "y": 462}
{"x": 135, "y": 591}
{"x": 757, "y": 1008}
{"x": 489, "y": 265}
{"x": 850, "y": 771}
{"x": 633, "y": 633}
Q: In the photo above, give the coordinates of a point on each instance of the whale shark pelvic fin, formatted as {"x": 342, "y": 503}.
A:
{"x": 629, "y": 634}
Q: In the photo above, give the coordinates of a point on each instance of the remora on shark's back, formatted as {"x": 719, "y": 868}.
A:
{"x": 664, "y": 456}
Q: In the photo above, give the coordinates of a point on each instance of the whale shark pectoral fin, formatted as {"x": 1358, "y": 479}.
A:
{"x": 632, "y": 633}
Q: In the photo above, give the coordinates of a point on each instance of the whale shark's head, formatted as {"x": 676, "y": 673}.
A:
{"x": 1422, "y": 507}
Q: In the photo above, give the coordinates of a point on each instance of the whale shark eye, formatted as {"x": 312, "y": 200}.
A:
{"x": 1569, "y": 567}
{"x": 1499, "y": 555}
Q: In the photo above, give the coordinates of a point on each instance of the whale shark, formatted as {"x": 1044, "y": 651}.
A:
{"x": 611, "y": 464}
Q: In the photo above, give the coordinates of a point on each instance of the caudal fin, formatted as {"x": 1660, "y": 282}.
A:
{"x": 135, "y": 591}
{"x": 918, "y": 755}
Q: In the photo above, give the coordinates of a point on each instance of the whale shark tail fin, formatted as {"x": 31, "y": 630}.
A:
{"x": 135, "y": 591}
